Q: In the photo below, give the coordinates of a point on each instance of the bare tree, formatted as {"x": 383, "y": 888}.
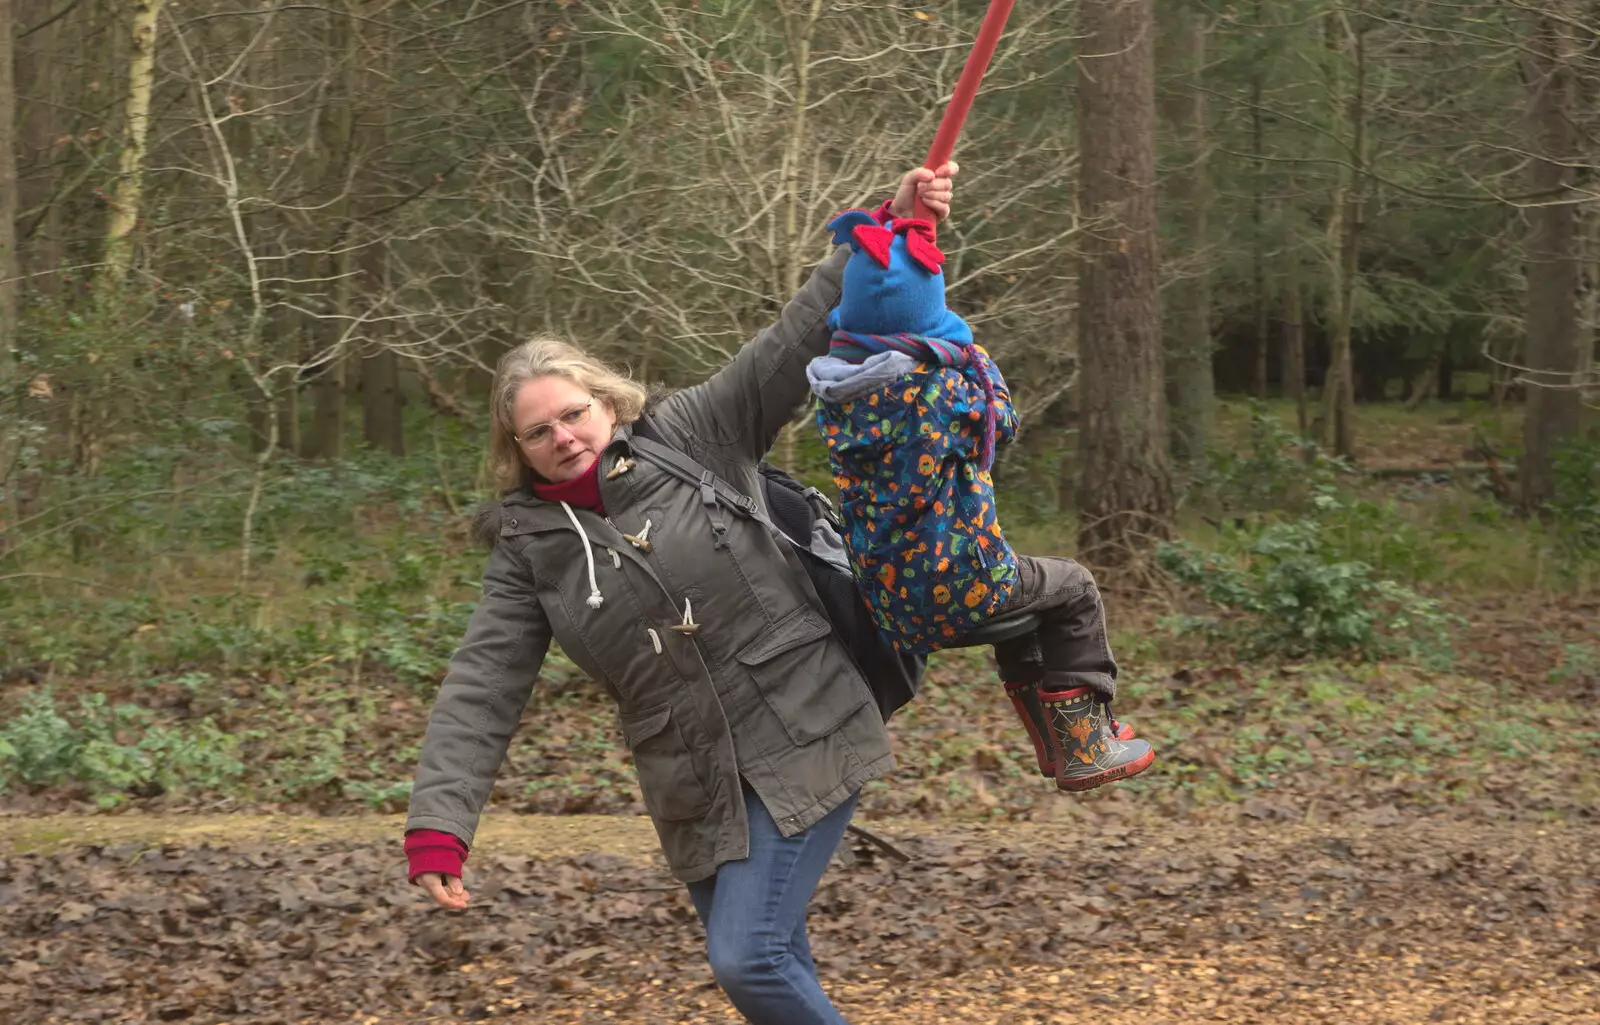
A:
{"x": 1294, "y": 337}
{"x": 10, "y": 265}
{"x": 331, "y": 152}
{"x": 1187, "y": 191}
{"x": 129, "y": 191}
{"x": 1554, "y": 245}
{"x": 1260, "y": 67}
{"x": 673, "y": 262}
{"x": 39, "y": 152}
{"x": 1124, "y": 483}
{"x": 1347, "y": 36}
{"x": 381, "y": 398}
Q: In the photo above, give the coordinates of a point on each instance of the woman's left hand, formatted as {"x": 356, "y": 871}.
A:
{"x": 935, "y": 188}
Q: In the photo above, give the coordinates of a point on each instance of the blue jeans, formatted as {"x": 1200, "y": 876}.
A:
{"x": 754, "y": 912}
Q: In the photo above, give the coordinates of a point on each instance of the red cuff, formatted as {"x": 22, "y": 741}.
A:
{"x": 428, "y": 850}
{"x": 883, "y": 215}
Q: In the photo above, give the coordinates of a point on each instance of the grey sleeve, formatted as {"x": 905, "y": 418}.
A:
{"x": 740, "y": 409}
{"x": 481, "y": 700}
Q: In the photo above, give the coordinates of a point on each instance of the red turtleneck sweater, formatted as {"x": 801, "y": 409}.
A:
{"x": 582, "y": 491}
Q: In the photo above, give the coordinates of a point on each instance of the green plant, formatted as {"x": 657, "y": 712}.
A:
{"x": 1579, "y": 663}
{"x": 1575, "y": 509}
{"x": 1300, "y": 594}
{"x": 38, "y": 745}
{"x": 114, "y": 751}
{"x": 1276, "y": 469}
{"x": 380, "y": 796}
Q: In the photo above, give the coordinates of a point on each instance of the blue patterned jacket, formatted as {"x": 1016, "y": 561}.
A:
{"x": 911, "y": 410}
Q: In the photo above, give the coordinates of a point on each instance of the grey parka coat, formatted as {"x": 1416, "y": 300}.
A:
{"x": 719, "y": 664}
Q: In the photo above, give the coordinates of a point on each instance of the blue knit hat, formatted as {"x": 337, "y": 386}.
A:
{"x": 892, "y": 282}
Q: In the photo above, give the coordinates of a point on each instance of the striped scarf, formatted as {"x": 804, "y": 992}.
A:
{"x": 854, "y": 348}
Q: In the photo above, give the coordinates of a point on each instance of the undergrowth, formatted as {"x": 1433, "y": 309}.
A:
{"x": 137, "y": 669}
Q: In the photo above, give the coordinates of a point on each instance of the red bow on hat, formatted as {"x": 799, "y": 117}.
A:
{"x": 875, "y": 241}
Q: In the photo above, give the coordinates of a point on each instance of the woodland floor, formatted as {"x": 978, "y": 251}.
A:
{"x": 1471, "y": 915}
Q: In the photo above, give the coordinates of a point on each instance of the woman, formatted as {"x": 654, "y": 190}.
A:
{"x": 750, "y": 727}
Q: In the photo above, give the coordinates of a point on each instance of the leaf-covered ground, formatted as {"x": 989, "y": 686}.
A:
{"x": 1317, "y": 843}
{"x": 1474, "y": 914}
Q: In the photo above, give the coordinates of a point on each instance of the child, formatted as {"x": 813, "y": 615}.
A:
{"x": 911, "y": 410}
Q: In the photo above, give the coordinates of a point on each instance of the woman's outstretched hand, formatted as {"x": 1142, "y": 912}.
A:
{"x": 935, "y": 188}
{"x": 446, "y": 891}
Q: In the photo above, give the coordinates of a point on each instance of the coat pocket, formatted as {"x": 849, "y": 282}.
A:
{"x": 809, "y": 683}
{"x": 672, "y": 789}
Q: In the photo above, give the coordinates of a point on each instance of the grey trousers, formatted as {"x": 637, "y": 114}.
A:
{"x": 1070, "y": 645}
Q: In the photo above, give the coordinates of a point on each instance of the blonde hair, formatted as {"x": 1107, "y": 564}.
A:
{"x": 547, "y": 356}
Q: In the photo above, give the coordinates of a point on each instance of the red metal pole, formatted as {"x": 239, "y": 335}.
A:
{"x": 944, "y": 141}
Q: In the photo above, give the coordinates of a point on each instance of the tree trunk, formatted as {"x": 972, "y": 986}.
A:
{"x": 10, "y": 268}
{"x": 38, "y": 69}
{"x": 382, "y": 402}
{"x": 383, "y": 426}
{"x": 1554, "y": 412}
{"x": 1258, "y": 242}
{"x": 1192, "y": 388}
{"x": 1338, "y": 392}
{"x": 798, "y": 31}
{"x": 125, "y": 197}
{"x": 1589, "y": 277}
{"x": 10, "y": 265}
{"x": 1294, "y": 338}
{"x": 324, "y": 438}
{"x": 289, "y": 405}
{"x": 1425, "y": 388}
{"x": 1124, "y": 483}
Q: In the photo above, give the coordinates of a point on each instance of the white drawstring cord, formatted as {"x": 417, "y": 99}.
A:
{"x": 596, "y": 599}
{"x": 642, "y": 541}
{"x": 688, "y": 627}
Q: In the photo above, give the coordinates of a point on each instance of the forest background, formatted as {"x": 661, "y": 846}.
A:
{"x": 1299, "y": 301}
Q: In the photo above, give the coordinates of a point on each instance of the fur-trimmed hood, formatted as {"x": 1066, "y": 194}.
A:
{"x": 486, "y": 523}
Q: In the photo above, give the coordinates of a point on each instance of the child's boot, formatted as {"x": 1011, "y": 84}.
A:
{"x": 1087, "y": 750}
{"x": 1024, "y": 695}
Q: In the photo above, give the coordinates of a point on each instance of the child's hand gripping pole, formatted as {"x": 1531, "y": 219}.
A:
{"x": 944, "y": 140}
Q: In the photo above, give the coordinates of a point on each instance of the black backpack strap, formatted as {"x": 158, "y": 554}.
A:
{"x": 715, "y": 493}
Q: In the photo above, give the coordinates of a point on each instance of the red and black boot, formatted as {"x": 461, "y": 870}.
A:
{"x": 1024, "y": 695}
{"x": 1085, "y": 743}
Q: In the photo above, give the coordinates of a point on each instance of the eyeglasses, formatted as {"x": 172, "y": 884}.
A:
{"x": 541, "y": 435}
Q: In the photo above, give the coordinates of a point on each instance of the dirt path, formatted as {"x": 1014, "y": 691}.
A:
{"x": 263, "y": 919}
{"x": 549, "y": 836}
